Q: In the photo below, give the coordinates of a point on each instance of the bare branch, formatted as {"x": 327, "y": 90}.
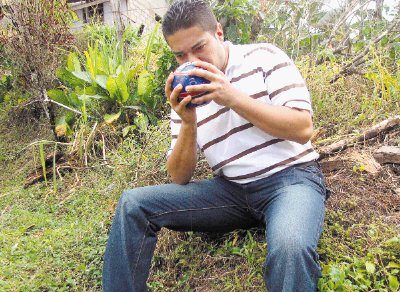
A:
{"x": 378, "y": 129}
{"x": 352, "y": 8}
{"x": 47, "y": 99}
{"x": 358, "y": 60}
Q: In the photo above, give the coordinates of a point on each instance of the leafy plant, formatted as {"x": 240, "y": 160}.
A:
{"x": 42, "y": 161}
{"x": 237, "y": 17}
{"x": 110, "y": 85}
{"x": 355, "y": 274}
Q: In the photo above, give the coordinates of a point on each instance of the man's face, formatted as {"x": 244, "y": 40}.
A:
{"x": 195, "y": 44}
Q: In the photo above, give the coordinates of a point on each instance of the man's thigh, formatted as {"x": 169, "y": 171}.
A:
{"x": 206, "y": 205}
{"x": 293, "y": 207}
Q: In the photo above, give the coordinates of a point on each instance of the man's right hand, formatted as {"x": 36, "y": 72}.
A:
{"x": 186, "y": 113}
{"x": 182, "y": 161}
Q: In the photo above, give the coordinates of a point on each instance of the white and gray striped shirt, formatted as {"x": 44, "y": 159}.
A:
{"x": 233, "y": 147}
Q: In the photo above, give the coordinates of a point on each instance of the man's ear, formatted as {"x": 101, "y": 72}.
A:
{"x": 219, "y": 33}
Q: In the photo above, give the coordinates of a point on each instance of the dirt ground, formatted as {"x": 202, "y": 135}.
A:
{"x": 363, "y": 187}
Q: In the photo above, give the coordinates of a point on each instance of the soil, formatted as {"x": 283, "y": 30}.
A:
{"x": 363, "y": 187}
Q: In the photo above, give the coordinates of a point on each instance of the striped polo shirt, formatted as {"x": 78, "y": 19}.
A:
{"x": 233, "y": 147}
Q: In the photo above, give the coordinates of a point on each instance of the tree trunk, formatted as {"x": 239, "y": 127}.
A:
{"x": 116, "y": 10}
{"x": 379, "y": 10}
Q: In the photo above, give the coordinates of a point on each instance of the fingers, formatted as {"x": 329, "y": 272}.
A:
{"x": 200, "y": 88}
{"x": 177, "y": 104}
{"x": 174, "y": 94}
{"x": 212, "y": 89}
{"x": 208, "y": 66}
{"x": 182, "y": 105}
{"x": 203, "y": 99}
{"x": 207, "y": 71}
{"x": 168, "y": 84}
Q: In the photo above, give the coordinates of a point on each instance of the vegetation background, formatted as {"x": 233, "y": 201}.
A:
{"x": 83, "y": 116}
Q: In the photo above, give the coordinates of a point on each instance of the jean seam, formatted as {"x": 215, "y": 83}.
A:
{"x": 320, "y": 225}
{"x": 140, "y": 251}
{"x": 192, "y": 209}
{"x": 259, "y": 214}
{"x": 246, "y": 195}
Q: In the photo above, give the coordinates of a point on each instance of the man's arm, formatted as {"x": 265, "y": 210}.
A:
{"x": 278, "y": 121}
{"x": 183, "y": 159}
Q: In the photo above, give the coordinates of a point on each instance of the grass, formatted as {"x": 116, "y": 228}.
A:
{"x": 48, "y": 241}
{"x": 351, "y": 103}
{"x": 54, "y": 247}
{"x": 55, "y": 240}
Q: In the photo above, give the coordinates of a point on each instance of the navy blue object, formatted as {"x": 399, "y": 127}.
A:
{"x": 182, "y": 77}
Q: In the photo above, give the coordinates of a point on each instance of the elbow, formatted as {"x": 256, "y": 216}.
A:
{"x": 302, "y": 140}
{"x": 179, "y": 180}
{"x": 178, "y": 176}
{"x": 304, "y": 137}
{"x": 305, "y": 134}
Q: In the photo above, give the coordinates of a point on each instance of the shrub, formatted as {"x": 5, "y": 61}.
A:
{"x": 116, "y": 82}
{"x": 36, "y": 37}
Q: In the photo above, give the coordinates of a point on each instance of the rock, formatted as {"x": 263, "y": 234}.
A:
{"x": 387, "y": 154}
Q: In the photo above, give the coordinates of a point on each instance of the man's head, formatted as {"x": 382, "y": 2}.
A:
{"x": 193, "y": 33}
{"x": 185, "y": 14}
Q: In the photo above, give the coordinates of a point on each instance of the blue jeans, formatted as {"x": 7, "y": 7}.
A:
{"x": 290, "y": 203}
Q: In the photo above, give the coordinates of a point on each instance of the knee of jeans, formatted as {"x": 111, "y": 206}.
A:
{"x": 290, "y": 245}
{"x": 131, "y": 202}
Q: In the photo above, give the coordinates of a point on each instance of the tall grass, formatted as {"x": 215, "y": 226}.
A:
{"x": 352, "y": 102}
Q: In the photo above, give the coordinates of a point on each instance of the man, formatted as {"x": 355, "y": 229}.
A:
{"x": 255, "y": 134}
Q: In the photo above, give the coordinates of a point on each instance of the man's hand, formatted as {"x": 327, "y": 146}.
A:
{"x": 220, "y": 90}
{"x": 186, "y": 113}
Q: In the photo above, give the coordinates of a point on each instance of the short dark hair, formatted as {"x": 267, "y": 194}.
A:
{"x": 184, "y": 14}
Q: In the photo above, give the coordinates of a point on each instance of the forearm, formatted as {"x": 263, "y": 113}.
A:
{"x": 183, "y": 159}
{"x": 278, "y": 121}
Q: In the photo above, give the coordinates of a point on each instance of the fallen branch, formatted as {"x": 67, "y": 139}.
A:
{"x": 341, "y": 145}
{"x": 37, "y": 175}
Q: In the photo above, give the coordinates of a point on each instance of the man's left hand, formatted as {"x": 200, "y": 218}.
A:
{"x": 220, "y": 90}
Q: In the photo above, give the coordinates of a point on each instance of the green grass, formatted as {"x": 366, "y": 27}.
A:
{"x": 49, "y": 243}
